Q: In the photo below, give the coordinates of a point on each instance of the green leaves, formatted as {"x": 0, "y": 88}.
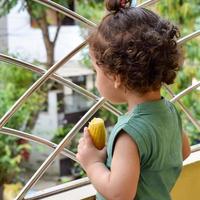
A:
{"x": 191, "y": 100}
{"x": 6, "y": 6}
{"x": 186, "y": 14}
{"x": 92, "y": 10}
{"x": 13, "y": 83}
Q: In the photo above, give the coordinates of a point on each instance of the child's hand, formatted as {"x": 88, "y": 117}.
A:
{"x": 87, "y": 153}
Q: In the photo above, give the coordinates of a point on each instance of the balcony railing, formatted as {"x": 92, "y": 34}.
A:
{"x": 80, "y": 187}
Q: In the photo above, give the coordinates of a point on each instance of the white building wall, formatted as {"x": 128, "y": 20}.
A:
{"x": 27, "y": 42}
{"x": 3, "y": 35}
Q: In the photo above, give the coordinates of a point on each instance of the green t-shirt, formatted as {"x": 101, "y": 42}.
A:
{"x": 156, "y": 129}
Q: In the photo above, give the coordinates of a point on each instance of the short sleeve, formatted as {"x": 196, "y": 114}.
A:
{"x": 138, "y": 134}
{"x": 142, "y": 141}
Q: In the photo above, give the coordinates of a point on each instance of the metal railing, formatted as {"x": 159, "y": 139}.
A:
{"x": 100, "y": 102}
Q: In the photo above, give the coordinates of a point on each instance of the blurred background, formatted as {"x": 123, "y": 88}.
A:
{"x": 38, "y": 35}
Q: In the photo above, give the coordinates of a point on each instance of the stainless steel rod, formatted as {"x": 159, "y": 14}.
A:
{"x": 186, "y": 111}
{"x": 37, "y": 84}
{"x": 39, "y": 140}
{"x": 192, "y": 87}
{"x": 59, "y": 148}
{"x": 60, "y": 80}
{"x": 75, "y": 16}
{"x": 148, "y": 3}
{"x": 58, "y": 189}
{"x": 66, "y": 12}
{"x": 64, "y": 187}
{"x": 186, "y": 91}
{"x": 195, "y": 148}
{"x": 42, "y": 80}
{"x": 189, "y": 37}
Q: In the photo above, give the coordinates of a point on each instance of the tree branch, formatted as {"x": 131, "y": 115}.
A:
{"x": 58, "y": 29}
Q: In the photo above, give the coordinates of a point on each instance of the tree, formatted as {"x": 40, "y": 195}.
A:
{"x": 39, "y": 14}
{"x": 187, "y": 16}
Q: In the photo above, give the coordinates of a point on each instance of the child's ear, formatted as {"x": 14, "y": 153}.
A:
{"x": 117, "y": 81}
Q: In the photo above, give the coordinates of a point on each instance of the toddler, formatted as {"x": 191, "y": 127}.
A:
{"x": 134, "y": 52}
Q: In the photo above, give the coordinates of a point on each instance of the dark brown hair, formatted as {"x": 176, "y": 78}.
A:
{"x": 138, "y": 45}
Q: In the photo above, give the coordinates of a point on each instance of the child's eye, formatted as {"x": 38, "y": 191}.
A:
{"x": 94, "y": 70}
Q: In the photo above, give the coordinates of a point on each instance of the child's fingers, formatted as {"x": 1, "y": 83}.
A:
{"x": 81, "y": 141}
{"x": 87, "y": 136}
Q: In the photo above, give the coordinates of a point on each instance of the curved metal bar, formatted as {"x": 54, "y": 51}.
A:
{"x": 184, "y": 92}
{"x": 37, "y": 84}
{"x": 196, "y": 85}
{"x": 187, "y": 112}
{"x": 50, "y": 159}
{"x": 59, "y": 148}
{"x": 75, "y": 16}
{"x": 189, "y": 37}
{"x": 58, "y": 189}
{"x": 195, "y": 148}
{"x": 75, "y": 184}
{"x": 66, "y": 11}
{"x": 148, "y": 3}
{"x": 39, "y": 140}
{"x": 60, "y": 80}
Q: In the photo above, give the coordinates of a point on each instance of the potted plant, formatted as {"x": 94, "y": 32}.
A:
{"x": 10, "y": 159}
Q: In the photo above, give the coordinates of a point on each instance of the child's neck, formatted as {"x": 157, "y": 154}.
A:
{"x": 134, "y": 99}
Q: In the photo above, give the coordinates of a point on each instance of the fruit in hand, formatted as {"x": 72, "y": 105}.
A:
{"x": 98, "y": 132}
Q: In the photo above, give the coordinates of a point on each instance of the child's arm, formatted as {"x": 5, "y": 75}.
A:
{"x": 120, "y": 182}
{"x": 186, "y": 146}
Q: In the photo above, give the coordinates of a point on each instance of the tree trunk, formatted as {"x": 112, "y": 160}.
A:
{"x": 47, "y": 42}
{"x": 43, "y": 24}
{"x": 1, "y": 192}
{"x": 49, "y": 45}
{"x": 50, "y": 54}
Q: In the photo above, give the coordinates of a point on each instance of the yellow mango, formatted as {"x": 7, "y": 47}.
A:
{"x": 98, "y": 132}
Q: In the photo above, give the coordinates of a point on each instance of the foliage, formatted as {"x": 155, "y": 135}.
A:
{"x": 38, "y": 10}
{"x": 39, "y": 15}
{"x": 10, "y": 158}
{"x": 187, "y": 15}
{"x": 187, "y": 18}
{"x": 92, "y": 10}
{"x": 76, "y": 170}
{"x": 6, "y": 6}
{"x": 62, "y": 132}
{"x": 190, "y": 101}
{"x": 13, "y": 83}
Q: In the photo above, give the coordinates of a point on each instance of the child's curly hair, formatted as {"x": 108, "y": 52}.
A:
{"x": 138, "y": 45}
